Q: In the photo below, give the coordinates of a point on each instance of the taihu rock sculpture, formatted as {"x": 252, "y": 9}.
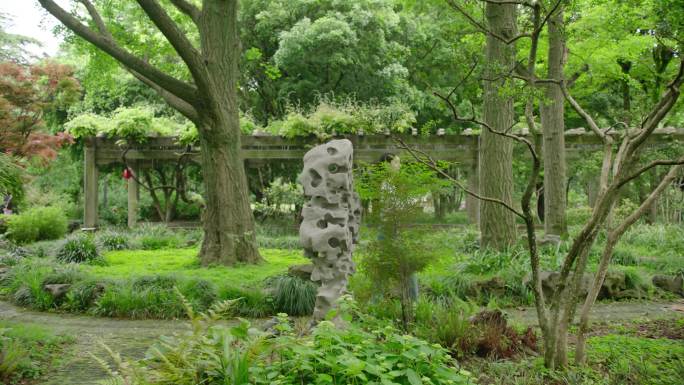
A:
{"x": 331, "y": 219}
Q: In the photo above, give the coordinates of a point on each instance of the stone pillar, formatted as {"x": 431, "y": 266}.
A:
{"x": 330, "y": 220}
{"x": 133, "y": 194}
{"x": 90, "y": 219}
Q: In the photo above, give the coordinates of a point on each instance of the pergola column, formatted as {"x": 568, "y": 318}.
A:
{"x": 90, "y": 180}
{"x": 472, "y": 203}
{"x": 133, "y": 194}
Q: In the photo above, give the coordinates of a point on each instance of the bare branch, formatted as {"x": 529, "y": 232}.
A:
{"x": 427, "y": 160}
{"x": 187, "y": 8}
{"x": 655, "y": 163}
{"x": 581, "y": 112}
{"x": 506, "y": 133}
{"x": 177, "y": 87}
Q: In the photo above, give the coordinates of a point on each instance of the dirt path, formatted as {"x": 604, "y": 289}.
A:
{"x": 131, "y": 338}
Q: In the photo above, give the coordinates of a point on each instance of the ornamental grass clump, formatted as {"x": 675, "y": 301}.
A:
{"x": 79, "y": 249}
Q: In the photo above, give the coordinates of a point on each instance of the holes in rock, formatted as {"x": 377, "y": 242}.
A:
{"x": 336, "y": 221}
{"x": 331, "y": 150}
{"x": 334, "y": 242}
{"x": 322, "y": 224}
{"x": 316, "y": 178}
{"x": 334, "y": 168}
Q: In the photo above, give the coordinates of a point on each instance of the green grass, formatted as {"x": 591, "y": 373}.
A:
{"x": 28, "y": 351}
{"x": 183, "y": 262}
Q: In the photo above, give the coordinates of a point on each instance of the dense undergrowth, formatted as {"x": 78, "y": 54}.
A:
{"x": 132, "y": 274}
{"x": 363, "y": 351}
{"x": 27, "y": 352}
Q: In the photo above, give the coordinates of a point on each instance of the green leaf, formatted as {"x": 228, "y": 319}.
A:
{"x": 413, "y": 377}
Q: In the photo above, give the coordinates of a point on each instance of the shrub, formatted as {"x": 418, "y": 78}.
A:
{"x": 253, "y": 303}
{"x": 137, "y": 301}
{"x": 78, "y": 250}
{"x": 114, "y": 241}
{"x": 40, "y": 223}
{"x": 446, "y": 323}
{"x": 152, "y": 242}
{"x": 83, "y": 294}
{"x": 293, "y": 295}
{"x": 200, "y": 292}
{"x": 26, "y": 283}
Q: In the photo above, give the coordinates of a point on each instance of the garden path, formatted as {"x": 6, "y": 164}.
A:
{"x": 132, "y": 337}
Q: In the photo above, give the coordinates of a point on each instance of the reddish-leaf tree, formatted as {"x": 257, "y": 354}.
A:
{"x": 27, "y": 95}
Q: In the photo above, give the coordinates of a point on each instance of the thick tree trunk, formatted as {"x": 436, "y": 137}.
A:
{"x": 229, "y": 233}
{"x": 553, "y": 126}
{"x": 497, "y": 224}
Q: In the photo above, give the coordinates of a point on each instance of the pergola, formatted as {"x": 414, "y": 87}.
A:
{"x": 258, "y": 149}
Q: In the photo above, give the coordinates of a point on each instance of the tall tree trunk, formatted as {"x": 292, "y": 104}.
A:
{"x": 553, "y": 126}
{"x": 497, "y": 225}
{"x": 229, "y": 232}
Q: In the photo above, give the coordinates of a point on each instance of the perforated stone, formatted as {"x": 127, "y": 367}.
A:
{"x": 331, "y": 220}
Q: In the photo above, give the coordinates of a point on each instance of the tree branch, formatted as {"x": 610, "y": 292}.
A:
{"x": 483, "y": 28}
{"x": 655, "y": 163}
{"x": 176, "y": 37}
{"x": 180, "y": 105}
{"x": 181, "y": 89}
{"x": 187, "y": 8}
{"x": 428, "y": 161}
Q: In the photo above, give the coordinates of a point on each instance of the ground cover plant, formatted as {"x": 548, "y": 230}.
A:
{"x": 617, "y": 354}
{"x": 364, "y": 352}
{"x": 28, "y": 352}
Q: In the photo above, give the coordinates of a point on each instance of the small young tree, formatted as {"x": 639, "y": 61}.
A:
{"x": 399, "y": 251}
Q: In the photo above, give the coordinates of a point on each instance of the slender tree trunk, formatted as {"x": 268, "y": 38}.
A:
{"x": 497, "y": 225}
{"x": 553, "y": 126}
{"x": 229, "y": 232}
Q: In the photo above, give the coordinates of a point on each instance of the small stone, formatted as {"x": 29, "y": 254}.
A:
{"x": 57, "y": 290}
{"x": 673, "y": 284}
{"x": 302, "y": 271}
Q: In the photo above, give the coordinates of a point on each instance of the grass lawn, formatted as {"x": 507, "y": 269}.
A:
{"x": 184, "y": 263}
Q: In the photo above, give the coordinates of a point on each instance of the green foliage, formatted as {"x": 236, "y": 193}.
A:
{"x": 87, "y": 124}
{"x": 27, "y": 352}
{"x": 328, "y": 118}
{"x": 398, "y": 252}
{"x": 79, "y": 249}
{"x": 141, "y": 284}
{"x": 280, "y": 199}
{"x": 360, "y": 353}
{"x": 39, "y": 223}
{"x": 447, "y": 323}
{"x": 132, "y": 124}
{"x": 11, "y": 178}
{"x": 113, "y": 241}
{"x": 134, "y": 263}
{"x": 293, "y": 295}
{"x": 632, "y": 360}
